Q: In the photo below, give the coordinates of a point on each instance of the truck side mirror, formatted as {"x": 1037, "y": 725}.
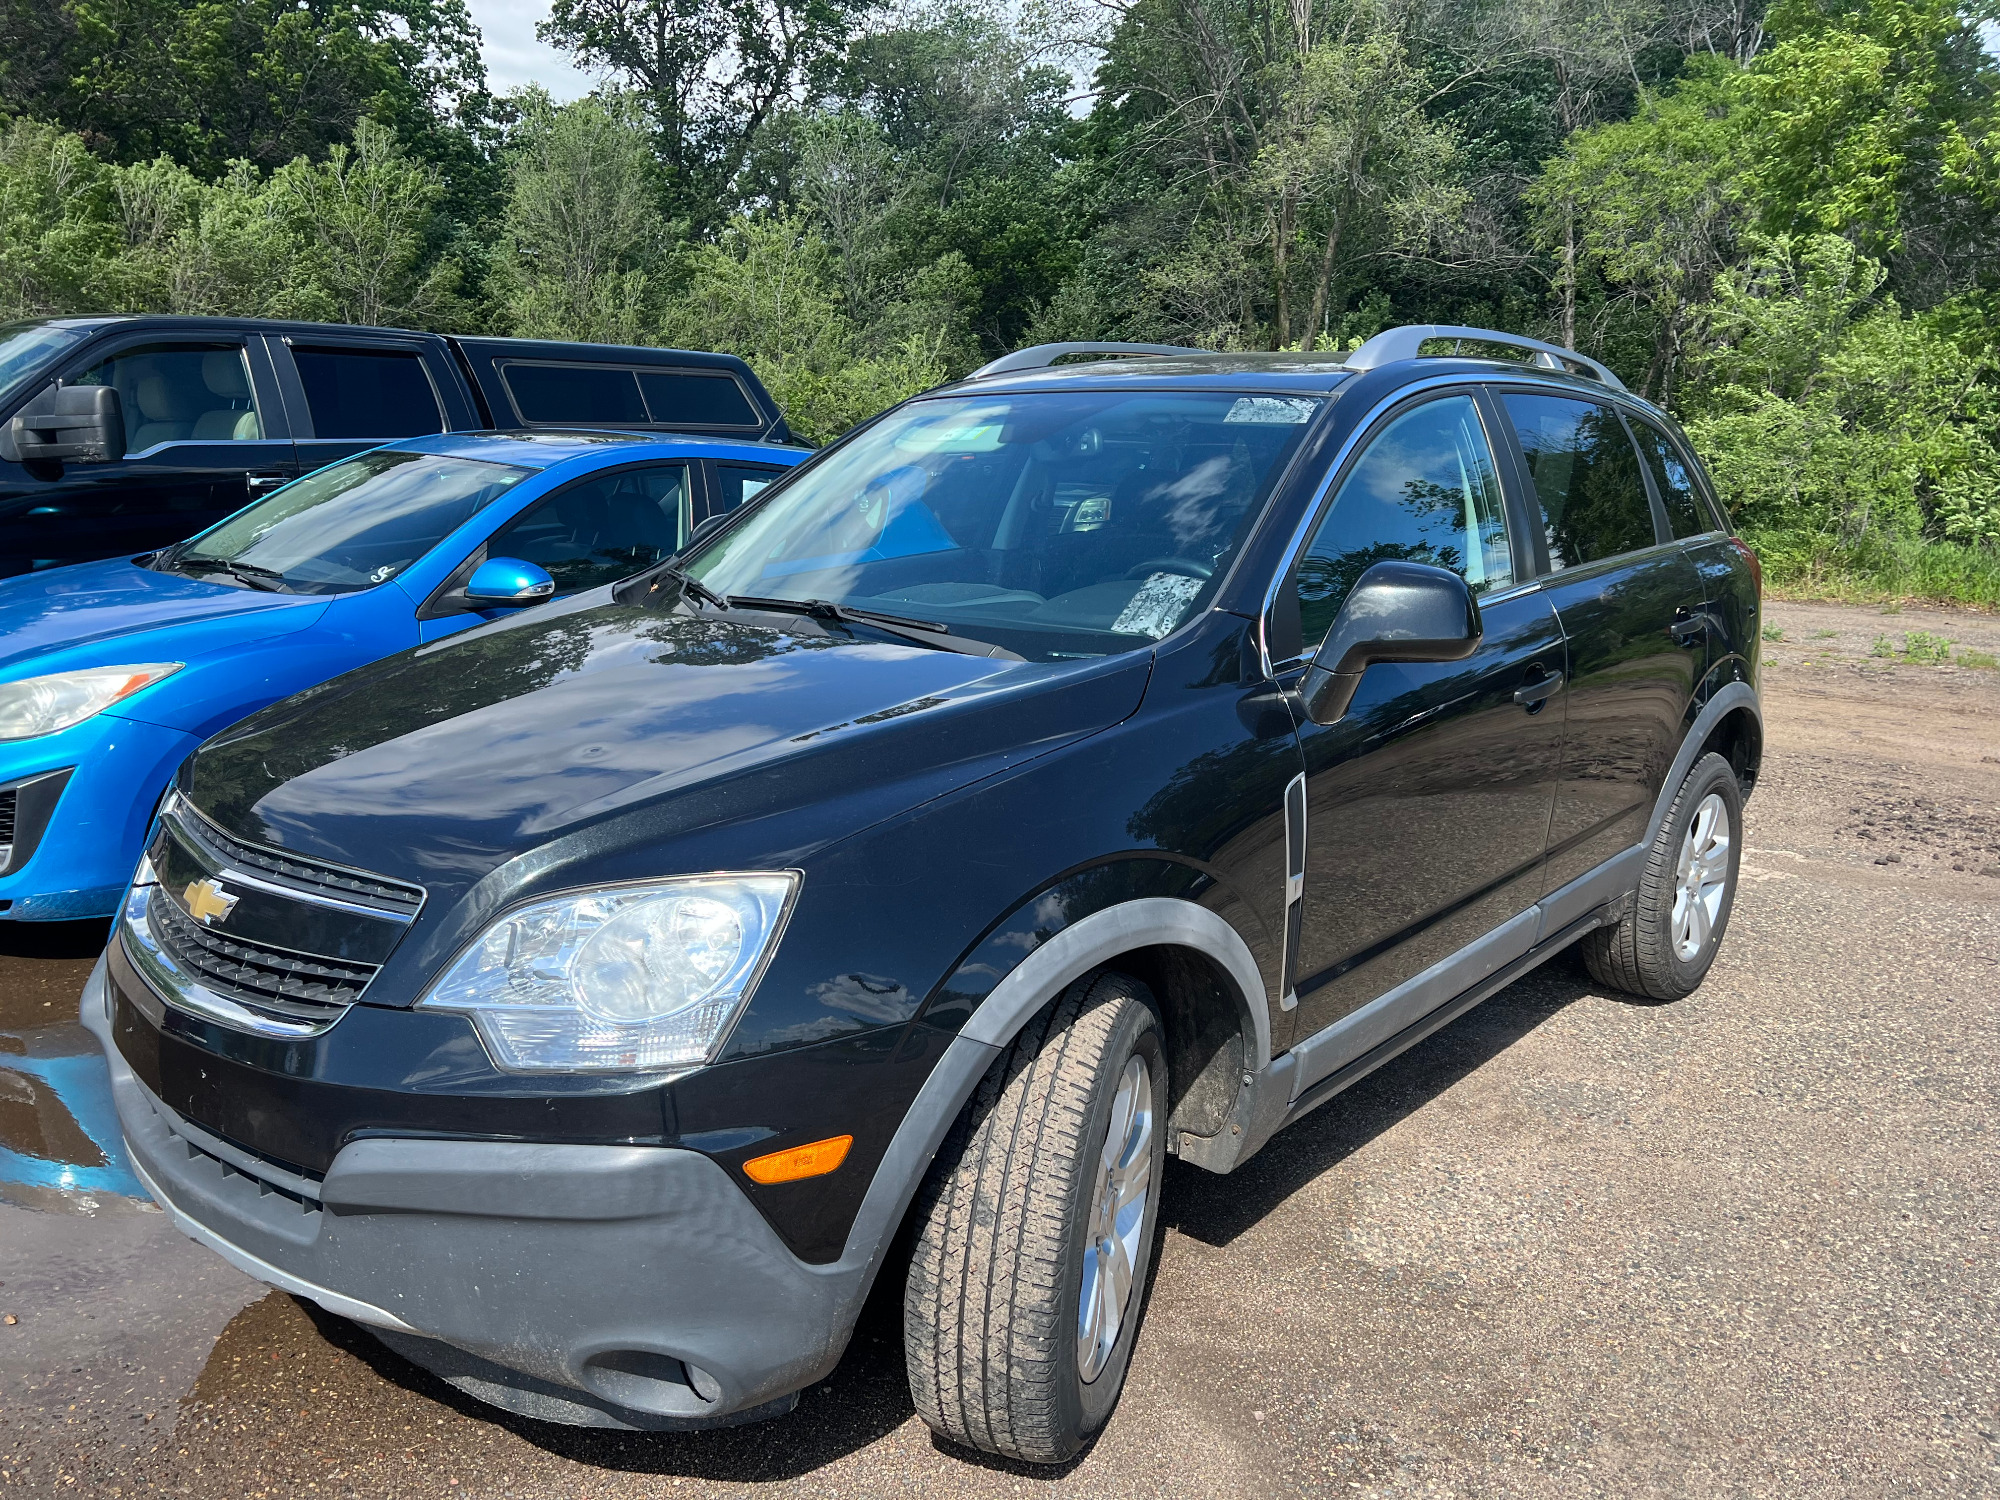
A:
{"x": 1396, "y": 611}
{"x": 508, "y": 580}
{"x": 69, "y": 423}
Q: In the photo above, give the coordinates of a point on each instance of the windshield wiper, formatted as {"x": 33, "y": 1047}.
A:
{"x": 268, "y": 579}
{"x": 930, "y": 633}
{"x": 693, "y": 585}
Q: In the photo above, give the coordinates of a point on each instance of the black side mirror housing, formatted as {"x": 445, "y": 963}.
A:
{"x": 1397, "y": 611}
{"x": 706, "y": 529}
{"x": 69, "y": 423}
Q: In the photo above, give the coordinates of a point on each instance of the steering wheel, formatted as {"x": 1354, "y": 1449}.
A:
{"x": 1185, "y": 567}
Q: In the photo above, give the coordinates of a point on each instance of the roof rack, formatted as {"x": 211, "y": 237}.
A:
{"x": 1408, "y": 342}
{"x": 1041, "y": 356}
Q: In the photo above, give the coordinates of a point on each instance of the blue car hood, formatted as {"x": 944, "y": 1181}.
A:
{"x": 440, "y": 764}
{"x": 75, "y": 615}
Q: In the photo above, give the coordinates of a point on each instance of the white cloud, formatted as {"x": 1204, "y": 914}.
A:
{"x": 515, "y": 56}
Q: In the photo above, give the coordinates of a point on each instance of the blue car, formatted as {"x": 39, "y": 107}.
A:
{"x": 112, "y": 672}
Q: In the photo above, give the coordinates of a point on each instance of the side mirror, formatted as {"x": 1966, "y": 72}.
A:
{"x": 1397, "y": 611}
{"x": 706, "y": 529}
{"x": 508, "y": 580}
{"x": 77, "y": 423}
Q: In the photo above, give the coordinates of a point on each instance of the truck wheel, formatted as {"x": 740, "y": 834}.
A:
{"x": 1036, "y": 1228}
{"x": 1662, "y": 948}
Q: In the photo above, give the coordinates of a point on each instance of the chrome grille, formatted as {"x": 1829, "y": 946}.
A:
{"x": 292, "y": 986}
{"x": 309, "y": 874}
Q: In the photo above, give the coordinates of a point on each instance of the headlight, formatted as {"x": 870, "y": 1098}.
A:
{"x": 42, "y": 705}
{"x": 637, "y": 978}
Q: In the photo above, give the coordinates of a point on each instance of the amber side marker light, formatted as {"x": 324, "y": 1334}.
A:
{"x": 815, "y": 1160}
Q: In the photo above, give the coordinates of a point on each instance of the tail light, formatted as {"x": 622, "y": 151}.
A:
{"x": 1756, "y": 568}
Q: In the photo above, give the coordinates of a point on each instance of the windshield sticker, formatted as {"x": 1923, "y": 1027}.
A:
{"x": 1158, "y": 606}
{"x": 1272, "y": 411}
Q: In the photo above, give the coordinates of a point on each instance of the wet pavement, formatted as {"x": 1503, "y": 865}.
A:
{"x": 1745, "y": 1244}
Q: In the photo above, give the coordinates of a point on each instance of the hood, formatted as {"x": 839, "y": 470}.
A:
{"x": 440, "y": 764}
{"x": 78, "y": 614}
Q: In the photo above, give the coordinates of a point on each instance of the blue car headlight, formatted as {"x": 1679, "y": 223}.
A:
{"x": 42, "y": 705}
{"x": 629, "y": 978}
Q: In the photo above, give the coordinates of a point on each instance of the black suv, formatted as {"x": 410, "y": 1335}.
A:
{"x": 1077, "y": 765}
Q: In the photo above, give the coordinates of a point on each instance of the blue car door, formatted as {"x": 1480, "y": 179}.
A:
{"x": 607, "y": 525}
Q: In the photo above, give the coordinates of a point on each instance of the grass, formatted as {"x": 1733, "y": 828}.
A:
{"x": 1922, "y": 645}
{"x": 1985, "y": 660}
{"x": 1876, "y": 570}
{"x": 1774, "y": 632}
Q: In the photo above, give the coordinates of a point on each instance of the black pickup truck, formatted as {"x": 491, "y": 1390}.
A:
{"x": 122, "y": 434}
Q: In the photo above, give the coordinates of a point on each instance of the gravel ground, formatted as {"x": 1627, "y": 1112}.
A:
{"x": 1573, "y": 1245}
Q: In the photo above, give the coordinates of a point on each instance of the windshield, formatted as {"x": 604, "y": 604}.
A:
{"x": 27, "y": 348}
{"x": 350, "y": 525}
{"x": 1055, "y": 524}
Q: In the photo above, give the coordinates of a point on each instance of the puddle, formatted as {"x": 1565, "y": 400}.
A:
{"x": 60, "y": 1149}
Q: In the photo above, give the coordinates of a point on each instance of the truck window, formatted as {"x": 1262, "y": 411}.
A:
{"x": 179, "y": 393}
{"x": 679, "y": 398}
{"x": 368, "y": 393}
{"x": 574, "y": 393}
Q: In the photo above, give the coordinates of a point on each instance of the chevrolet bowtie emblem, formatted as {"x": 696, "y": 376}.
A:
{"x": 207, "y": 901}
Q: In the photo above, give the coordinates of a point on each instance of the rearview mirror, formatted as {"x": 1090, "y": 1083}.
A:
{"x": 1397, "y": 611}
{"x": 508, "y": 580}
{"x": 73, "y": 423}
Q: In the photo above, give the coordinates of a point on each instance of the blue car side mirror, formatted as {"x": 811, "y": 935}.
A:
{"x": 508, "y": 580}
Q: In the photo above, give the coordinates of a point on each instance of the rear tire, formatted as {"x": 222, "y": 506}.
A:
{"x": 1661, "y": 950}
{"x": 1036, "y": 1230}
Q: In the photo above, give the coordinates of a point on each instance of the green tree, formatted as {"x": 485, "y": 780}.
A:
{"x": 581, "y": 245}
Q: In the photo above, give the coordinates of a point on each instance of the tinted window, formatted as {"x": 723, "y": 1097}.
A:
{"x": 1425, "y": 490}
{"x": 178, "y": 393}
{"x": 1586, "y": 476}
{"x": 676, "y": 398}
{"x": 350, "y": 525}
{"x": 367, "y": 393}
{"x": 574, "y": 393}
{"x": 738, "y": 482}
{"x": 1058, "y": 524}
{"x": 601, "y": 530}
{"x": 1686, "y": 513}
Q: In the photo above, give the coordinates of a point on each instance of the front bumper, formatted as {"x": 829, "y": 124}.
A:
{"x": 619, "y": 1286}
{"x": 86, "y": 855}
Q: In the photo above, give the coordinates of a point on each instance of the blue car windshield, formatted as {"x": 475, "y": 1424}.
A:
{"x": 1057, "y": 524}
{"x": 348, "y": 526}
{"x": 27, "y": 349}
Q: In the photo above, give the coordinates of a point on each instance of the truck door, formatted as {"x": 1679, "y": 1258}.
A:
{"x": 205, "y": 434}
{"x": 348, "y": 393}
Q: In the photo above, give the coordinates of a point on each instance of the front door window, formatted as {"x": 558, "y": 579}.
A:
{"x": 602, "y": 529}
{"x": 180, "y": 393}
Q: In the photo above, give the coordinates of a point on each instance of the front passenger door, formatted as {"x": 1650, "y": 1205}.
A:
{"x": 1427, "y": 804}
{"x": 592, "y": 531}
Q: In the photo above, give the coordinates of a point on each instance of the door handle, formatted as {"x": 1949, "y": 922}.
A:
{"x": 1688, "y": 624}
{"x": 1536, "y": 693}
{"x": 257, "y": 484}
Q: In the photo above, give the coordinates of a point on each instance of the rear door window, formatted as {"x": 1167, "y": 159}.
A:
{"x": 378, "y": 394}
{"x": 1424, "y": 490}
{"x": 1686, "y": 514}
{"x": 1586, "y": 477}
{"x": 735, "y": 483}
{"x": 602, "y": 529}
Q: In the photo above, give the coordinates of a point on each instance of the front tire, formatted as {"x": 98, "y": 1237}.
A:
{"x": 1036, "y": 1231}
{"x": 1662, "y": 948}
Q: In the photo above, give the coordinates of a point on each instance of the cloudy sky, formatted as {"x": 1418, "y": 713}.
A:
{"x": 514, "y": 57}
